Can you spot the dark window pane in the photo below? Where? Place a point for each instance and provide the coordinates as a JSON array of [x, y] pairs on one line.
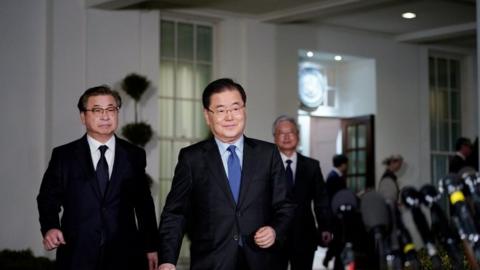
[[167, 39], [444, 142], [352, 142], [455, 105], [204, 43], [185, 41], [442, 73], [455, 74], [431, 71]]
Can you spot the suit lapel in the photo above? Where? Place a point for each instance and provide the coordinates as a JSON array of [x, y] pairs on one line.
[[248, 168], [301, 169], [86, 164], [215, 165]]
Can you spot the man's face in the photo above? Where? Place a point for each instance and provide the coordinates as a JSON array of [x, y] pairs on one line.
[[226, 116], [102, 122], [286, 136], [466, 150]]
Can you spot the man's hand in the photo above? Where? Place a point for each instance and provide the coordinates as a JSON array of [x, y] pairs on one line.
[[265, 237], [152, 260], [53, 239], [166, 266]]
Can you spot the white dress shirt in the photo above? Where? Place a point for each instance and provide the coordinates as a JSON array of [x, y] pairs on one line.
[[293, 165], [95, 152]]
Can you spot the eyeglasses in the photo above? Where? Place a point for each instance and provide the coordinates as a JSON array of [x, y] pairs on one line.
[[100, 111], [221, 112], [285, 134]]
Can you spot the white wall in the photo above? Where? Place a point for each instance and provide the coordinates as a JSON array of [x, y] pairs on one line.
[[22, 106]]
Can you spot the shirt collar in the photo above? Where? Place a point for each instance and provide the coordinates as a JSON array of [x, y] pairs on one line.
[[461, 155], [94, 144], [223, 146], [293, 158]]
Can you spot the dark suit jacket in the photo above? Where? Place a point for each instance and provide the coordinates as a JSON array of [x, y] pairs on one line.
[[335, 183], [456, 164], [89, 218], [201, 200], [309, 187]]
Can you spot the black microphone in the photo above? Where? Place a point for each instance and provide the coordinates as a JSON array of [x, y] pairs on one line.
[[470, 181], [375, 217], [344, 204], [462, 219], [411, 199], [441, 227]]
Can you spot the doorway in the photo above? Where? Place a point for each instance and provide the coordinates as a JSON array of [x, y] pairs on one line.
[[354, 137]]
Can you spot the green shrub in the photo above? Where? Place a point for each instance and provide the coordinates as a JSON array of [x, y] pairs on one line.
[[23, 260]]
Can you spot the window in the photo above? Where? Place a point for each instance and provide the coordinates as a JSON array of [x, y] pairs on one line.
[[185, 69], [445, 110]]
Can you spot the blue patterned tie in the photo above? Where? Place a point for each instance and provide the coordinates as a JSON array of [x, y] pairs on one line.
[[102, 169], [289, 174], [234, 172]]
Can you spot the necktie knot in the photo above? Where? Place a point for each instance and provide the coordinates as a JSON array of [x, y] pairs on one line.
[[103, 149], [289, 162], [231, 149]]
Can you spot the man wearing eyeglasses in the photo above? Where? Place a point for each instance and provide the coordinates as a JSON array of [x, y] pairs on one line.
[[306, 183], [229, 192], [99, 183]]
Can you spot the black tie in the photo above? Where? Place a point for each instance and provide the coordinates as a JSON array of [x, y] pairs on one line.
[[289, 174], [102, 169]]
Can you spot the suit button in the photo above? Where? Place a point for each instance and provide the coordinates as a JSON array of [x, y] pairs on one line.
[[239, 214], [235, 237]]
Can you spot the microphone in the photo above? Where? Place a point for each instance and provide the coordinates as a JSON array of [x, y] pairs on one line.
[[471, 191], [343, 204], [411, 199], [462, 219], [441, 228], [375, 217]]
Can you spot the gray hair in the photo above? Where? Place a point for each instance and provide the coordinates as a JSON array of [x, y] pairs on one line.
[[282, 118]]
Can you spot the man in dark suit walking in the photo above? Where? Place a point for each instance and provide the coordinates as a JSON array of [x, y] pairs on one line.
[[229, 191], [305, 180], [463, 148], [99, 181], [336, 179]]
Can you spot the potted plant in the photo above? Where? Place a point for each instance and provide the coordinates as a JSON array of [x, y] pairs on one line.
[[138, 132]]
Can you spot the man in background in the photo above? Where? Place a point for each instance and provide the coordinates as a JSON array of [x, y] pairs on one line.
[[337, 178], [305, 181], [99, 181], [463, 148]]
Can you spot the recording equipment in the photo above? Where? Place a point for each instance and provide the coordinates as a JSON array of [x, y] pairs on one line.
[[343, 204], [375, 216], [441, 228], [471, 185], [411, 199], [462, 219]]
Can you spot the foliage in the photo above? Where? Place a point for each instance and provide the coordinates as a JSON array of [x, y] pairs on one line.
[[135, 85], [426, 263], [138, 133], [23, 260]]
